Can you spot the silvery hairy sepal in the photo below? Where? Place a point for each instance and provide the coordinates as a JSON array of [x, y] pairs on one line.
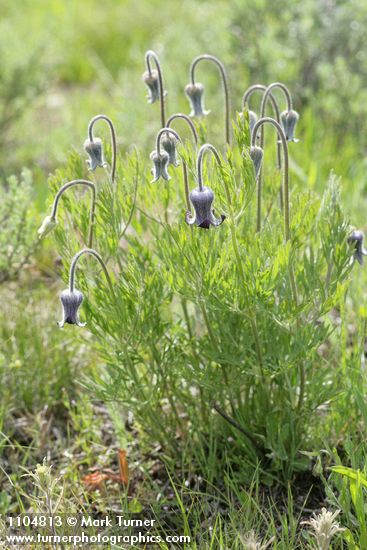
[[256, 154], [160, 165], [71, 301], [356, 239], [202, 200], [195, 94], [168, 143], [94, 148], [289, 120], [151, 80], [47, 226]]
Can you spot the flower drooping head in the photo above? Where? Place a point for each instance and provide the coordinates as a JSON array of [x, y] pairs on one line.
[[71, 301], [151, 80], [160, 165], [202, 200], [195, 94], [356, 239], [256, 154], [168, 143], [94, 148], [47, 226], [289, 120]]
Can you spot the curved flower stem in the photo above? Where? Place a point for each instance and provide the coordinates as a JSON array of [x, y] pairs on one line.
[[286, 210], [199, 161], [75, 260], [224, 78], [246, 98], [184, 166], [148, 55], [266, 97], [113, 139], [267, 94], [74, 183], [189, 122], [261, 122]]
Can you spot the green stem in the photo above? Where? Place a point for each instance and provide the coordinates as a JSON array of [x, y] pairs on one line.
[[224, 78], [150, 54], [74, 263], [74, 183], [113, 140]]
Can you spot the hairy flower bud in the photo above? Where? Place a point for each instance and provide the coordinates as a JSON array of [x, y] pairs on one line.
[[256, 154], [289, 120], [71, 301], [160, 165], [94, 148], [168, 143], [356, 239], [202, 200], [195, 94], [47, 226], [151, 80]]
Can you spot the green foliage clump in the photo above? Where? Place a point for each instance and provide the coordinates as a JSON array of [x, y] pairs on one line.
[[18, 240], [212, 338]]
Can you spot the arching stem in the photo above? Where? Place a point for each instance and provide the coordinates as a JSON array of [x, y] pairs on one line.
[[189, 122], [74, 263], [113, 140], [152, 55], [199, 161], [184, 166], [286, 210], [224, 78], [245, 100], [74, 183]]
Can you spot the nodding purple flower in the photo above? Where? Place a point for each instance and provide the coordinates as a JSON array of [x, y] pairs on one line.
[[168, 143], [202, 200], [195, 94], [256, 154], [94, 148], [151, 80], [288, 121], [71, 301], [160, 165], [356, 240]]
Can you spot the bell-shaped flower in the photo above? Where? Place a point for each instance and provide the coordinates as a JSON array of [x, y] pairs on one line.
[[160, 165], [288, 121], [256, 154], [71, 301], [94, 148], [47, 226], [195, 94], [202, 200], [356, 239], [168, 143], [151, 80]]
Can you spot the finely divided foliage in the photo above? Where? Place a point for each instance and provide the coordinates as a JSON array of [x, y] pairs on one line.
[[210, 338]]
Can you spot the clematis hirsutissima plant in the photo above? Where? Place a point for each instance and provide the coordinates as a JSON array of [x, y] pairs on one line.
[[210, 338], [195, 92], [71, 298], [202, 197], [94, 146]]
